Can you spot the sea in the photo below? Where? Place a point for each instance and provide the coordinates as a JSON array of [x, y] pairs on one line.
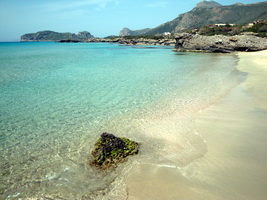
[[57, 98]]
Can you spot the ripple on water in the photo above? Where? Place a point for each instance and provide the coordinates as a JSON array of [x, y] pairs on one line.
[[58, 99]]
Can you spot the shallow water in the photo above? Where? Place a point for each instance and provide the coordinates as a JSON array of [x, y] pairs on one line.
[[56, 99]]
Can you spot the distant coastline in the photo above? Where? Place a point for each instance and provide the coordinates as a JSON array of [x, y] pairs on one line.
[[186, 42], [218, 38], [55, 36]]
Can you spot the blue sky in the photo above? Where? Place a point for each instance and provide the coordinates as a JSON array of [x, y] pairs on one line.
[[100, 17]]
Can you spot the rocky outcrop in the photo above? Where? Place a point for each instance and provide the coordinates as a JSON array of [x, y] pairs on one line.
[[111, 150], [207, 4], [136, 41], [68, 41], [127, 31], [55, 36], [210, 12], [219, 43]]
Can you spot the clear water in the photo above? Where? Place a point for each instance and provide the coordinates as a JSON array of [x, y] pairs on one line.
[[56, 99]]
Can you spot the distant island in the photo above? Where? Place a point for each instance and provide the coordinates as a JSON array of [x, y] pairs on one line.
[[55, 36]]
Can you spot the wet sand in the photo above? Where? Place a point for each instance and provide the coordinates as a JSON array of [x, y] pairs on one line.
[[235, 131]]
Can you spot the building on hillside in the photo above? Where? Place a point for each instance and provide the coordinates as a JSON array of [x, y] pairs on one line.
[[167, 33], [224, 24]]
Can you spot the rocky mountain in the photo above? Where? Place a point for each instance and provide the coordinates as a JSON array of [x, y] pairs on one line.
[[208, 12], [207, 4], [55, 36]]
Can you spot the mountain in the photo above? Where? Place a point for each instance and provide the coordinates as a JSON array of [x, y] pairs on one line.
[[207, 4], [55, 36], [209, 12]]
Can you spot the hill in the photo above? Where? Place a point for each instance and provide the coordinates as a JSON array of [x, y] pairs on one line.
[[55, 36], [208, 12]]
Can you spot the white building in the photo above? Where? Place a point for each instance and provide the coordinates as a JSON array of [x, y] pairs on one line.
[[166, 33]]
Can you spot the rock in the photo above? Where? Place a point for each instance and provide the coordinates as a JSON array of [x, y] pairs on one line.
[[111, 150], [68, 41], [135, 41], [219, 43], [207, 4]]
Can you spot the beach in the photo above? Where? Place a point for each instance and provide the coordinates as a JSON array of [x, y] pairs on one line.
[[256, 75], [201, 130], [234, 129]]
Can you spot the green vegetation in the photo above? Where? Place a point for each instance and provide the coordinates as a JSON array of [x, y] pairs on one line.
[[259, 29], [55, 36], [136, 37], [220, 30], [153, 37], [112, 37], [110, 150]]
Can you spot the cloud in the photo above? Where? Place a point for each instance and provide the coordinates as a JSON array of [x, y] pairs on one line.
[[72, 5], [158, 4]]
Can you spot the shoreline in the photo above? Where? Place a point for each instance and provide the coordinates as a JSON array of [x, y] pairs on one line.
[[234, 165], [235, 133], [256, 75]]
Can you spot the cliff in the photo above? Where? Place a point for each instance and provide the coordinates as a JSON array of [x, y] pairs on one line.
[[55, 36], [209, 12]]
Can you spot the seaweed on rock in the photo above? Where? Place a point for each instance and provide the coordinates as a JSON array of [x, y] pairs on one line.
[[111, 150]]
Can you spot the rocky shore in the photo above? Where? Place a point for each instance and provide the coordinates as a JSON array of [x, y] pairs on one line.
[[136, 41], [219, 43], [194, 42]]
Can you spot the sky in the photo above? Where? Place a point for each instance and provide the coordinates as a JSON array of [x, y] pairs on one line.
[[100, 17]]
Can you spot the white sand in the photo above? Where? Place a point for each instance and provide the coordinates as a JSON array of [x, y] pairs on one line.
[[234, 166], [256, 65]]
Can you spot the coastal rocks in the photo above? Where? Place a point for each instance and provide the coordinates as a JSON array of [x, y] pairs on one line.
[[144, 41], [111, 150], [219, 43], [68, 41], [135, 41]]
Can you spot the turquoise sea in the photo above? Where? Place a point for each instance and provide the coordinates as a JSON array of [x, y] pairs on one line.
[[56, 99]]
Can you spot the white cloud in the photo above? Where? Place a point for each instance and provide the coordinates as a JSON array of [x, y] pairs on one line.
[[72, 5], [158, 4]]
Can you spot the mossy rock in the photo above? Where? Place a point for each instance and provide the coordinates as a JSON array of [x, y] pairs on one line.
[[111, 150]]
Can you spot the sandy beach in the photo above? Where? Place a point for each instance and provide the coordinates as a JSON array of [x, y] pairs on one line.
[[234, 166], [255, 64]]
